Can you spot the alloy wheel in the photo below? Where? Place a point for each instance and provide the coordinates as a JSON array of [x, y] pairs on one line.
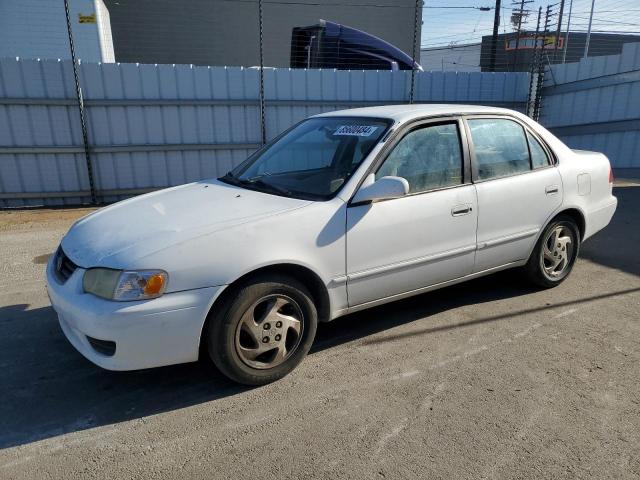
[[269, 331], [557, 252]]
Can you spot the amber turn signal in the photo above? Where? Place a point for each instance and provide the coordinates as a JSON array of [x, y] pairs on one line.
[[154, 284]]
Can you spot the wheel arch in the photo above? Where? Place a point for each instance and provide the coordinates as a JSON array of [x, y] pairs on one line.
[[303, 274], [574, 213], [577, 215]]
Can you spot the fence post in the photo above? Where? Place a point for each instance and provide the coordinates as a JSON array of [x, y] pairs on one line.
[[263, 127], [540, 79], [83, 125], [534, 62], [415, 40]]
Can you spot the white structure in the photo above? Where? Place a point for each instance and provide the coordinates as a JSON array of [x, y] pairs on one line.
[[38, 29], [454, 58]]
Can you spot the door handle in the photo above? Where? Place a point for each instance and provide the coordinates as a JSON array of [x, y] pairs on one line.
[[551, 189], [460, 210]]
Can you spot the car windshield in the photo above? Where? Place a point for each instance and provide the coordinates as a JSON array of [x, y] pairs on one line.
[[312, 160]]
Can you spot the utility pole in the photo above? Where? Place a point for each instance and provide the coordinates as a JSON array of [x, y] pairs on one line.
[[558, 30], [521, 13], [494, 38], [566, 35], [586, 45]]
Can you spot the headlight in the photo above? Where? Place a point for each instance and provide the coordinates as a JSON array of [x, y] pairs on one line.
[[125, 285]]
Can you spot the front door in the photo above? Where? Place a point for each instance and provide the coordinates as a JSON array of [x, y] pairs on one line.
[[424, 238]]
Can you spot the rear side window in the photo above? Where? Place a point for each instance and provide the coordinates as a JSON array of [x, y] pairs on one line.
[[539, 157], [428, 158], [500, 147]]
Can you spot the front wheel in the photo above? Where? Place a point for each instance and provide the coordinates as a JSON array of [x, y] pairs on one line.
[[262, 330], [555, 253]]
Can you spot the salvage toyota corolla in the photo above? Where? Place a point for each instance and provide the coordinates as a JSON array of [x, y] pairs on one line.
[[344, 211]]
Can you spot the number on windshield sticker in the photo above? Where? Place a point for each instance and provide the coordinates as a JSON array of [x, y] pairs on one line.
[[355, 130]]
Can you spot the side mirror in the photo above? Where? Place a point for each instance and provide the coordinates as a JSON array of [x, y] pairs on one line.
[[382, 189]]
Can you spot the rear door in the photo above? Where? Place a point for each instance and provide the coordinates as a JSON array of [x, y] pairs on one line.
[[518, 188]]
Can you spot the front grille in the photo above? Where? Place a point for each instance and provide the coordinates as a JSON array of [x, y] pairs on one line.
[[63, 266], [104, 347]]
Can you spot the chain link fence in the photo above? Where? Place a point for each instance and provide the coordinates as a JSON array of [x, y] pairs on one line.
[[103, 99]]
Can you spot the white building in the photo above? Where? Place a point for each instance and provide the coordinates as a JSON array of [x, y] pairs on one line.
[[38, 29], [454, 58]]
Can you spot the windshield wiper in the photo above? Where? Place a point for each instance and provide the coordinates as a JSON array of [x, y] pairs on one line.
[[259, 182]]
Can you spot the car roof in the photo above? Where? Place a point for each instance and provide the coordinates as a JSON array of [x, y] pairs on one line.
[[404, 112]]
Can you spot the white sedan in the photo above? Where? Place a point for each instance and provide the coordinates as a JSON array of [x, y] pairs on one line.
[[344, 211]]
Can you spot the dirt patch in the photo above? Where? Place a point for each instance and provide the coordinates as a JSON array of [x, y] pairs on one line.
[[39, 219]]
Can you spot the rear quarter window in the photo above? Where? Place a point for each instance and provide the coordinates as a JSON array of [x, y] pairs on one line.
[[539, 157]]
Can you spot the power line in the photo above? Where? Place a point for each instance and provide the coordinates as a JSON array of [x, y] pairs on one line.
[[483, 9]]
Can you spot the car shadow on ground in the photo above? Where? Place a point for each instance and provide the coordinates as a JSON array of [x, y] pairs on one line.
[[617, 246], [49, 389]]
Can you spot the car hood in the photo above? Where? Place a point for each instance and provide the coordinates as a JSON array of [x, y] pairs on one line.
[[121, 234]]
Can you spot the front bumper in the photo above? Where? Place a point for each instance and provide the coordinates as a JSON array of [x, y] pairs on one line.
[[148, 333]]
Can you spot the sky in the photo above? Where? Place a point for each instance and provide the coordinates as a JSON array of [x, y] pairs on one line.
[[445, 23]]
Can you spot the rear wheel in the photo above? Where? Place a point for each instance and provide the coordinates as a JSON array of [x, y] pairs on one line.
[[555, 253], [263, 329]]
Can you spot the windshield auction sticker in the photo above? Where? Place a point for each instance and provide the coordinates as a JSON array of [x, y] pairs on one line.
[[356, 130]]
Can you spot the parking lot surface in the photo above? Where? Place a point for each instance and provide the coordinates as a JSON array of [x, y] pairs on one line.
[[488, 379]]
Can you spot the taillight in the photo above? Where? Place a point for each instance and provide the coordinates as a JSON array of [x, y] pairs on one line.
[[610, 175]]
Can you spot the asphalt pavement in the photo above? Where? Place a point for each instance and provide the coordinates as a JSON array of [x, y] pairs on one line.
[[488, 379]]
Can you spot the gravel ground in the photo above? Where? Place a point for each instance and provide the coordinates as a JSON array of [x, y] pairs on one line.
[[489, 379]]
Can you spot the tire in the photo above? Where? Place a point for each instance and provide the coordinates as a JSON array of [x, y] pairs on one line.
[[238, 340], [539, 268]]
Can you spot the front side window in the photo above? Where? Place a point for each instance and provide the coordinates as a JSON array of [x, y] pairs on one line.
[[313, 160], [500, 147], [428, 158]]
